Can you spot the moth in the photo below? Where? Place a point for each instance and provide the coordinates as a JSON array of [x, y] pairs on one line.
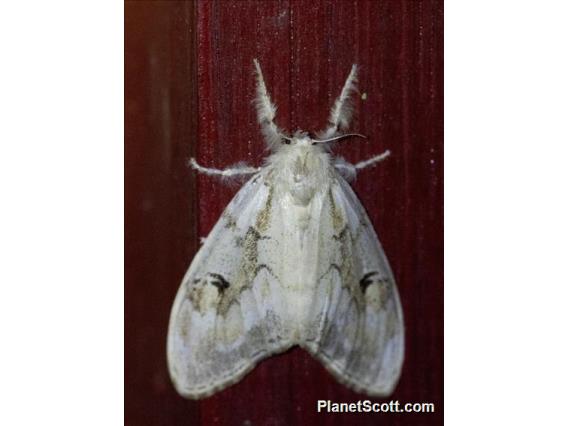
[[293, 260]]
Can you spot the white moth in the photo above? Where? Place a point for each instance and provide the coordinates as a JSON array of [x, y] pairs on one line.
[[293, 260]]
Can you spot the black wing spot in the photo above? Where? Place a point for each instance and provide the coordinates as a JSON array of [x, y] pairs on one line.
[[219, 281], [367, 280]]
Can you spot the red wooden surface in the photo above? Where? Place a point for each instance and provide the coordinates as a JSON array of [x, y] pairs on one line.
[[306, 49], [159, 202]]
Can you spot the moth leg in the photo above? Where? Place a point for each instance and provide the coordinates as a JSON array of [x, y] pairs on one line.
[[346, 169], [371, 161], [228, 172], [349, 171]]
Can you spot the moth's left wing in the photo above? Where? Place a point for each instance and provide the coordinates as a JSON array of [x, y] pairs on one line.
[[229, 311], [356, 326]]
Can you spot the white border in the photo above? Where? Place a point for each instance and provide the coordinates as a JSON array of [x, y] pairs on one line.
[[61, 224], [61, 230], [506, 240]]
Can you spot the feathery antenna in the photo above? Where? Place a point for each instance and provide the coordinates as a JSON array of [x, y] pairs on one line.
[[266, 111], [342, 111]]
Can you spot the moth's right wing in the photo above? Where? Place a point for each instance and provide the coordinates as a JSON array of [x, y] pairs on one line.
[[228, 312], [356, 328]]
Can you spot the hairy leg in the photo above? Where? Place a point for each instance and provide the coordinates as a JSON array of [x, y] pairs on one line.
[[237, 170], [350, 170]]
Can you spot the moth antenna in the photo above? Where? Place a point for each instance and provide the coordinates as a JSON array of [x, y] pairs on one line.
[[266, 112], [342, 111], [339, 137]]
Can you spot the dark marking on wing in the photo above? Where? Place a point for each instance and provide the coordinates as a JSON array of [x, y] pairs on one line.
[[219, 281], [336, 267], [337, 218], [230, 221], [383, 283], [263, 217], [332, 266], [261, 267], [342, 235], [367, 280], [253, 232]]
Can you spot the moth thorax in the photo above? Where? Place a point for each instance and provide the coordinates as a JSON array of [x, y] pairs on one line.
[[303, 182]]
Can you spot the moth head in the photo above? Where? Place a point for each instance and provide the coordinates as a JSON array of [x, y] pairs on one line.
[[298, 139], [338, 121]]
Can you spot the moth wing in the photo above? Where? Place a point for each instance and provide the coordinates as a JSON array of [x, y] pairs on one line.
[[357, 314], [227, 314]]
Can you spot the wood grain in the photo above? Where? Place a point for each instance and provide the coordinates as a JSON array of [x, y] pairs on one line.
[[160, 235]]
